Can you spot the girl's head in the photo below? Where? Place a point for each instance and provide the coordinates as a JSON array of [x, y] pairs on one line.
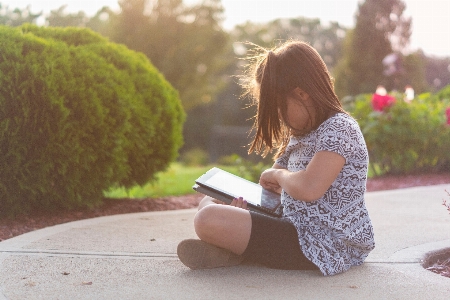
[[293, 92]]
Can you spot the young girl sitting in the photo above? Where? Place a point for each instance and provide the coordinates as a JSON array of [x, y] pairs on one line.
[[320, 170]]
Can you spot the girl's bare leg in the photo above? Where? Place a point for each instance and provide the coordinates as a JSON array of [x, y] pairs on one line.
[[225, 226], [207, 201]]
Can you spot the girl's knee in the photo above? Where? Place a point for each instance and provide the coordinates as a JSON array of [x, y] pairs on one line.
[[206, 220]]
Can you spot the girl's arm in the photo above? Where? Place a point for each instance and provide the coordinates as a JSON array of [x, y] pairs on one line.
[[309, 184], [274, 186]]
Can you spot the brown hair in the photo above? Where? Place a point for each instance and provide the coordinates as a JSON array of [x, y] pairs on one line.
[[272, 76]]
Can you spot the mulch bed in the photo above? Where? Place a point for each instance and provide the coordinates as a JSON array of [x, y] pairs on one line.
[[25, 223]]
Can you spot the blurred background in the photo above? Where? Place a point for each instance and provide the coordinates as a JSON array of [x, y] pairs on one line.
[[199, 46]]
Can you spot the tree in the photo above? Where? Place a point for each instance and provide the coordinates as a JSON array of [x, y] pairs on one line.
[[326, 39], [184, 43], [101, 22], [227, 121], [17, 17], [131, 25], [380, 30], [415, 72], [438, 72], [58, 18]]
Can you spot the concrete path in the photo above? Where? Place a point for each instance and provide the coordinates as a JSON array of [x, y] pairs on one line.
[[133, 256]]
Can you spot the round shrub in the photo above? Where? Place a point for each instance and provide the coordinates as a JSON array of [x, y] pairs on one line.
[[406, 137], [78, 115]]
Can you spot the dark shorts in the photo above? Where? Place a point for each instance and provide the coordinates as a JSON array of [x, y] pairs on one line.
[[274, 243]]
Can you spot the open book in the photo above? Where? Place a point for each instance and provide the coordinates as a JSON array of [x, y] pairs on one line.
[[225, 186]]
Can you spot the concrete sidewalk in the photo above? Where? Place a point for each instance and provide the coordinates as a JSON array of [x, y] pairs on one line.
[[133, 256]]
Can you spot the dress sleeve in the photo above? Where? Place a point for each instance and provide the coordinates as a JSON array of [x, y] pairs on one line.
[[339, 136], [283, 160]]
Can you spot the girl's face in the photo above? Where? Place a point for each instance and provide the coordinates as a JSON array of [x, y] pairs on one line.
[[299, 112]]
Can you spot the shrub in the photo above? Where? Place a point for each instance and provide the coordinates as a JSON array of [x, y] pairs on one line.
[[79, 114], [247, 169], [406, 137], [195, 157]]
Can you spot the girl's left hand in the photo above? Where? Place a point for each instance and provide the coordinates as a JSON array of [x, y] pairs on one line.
[[239, 202], [268, 180]]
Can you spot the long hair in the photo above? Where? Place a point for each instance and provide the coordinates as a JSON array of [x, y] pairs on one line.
[[272, 76]]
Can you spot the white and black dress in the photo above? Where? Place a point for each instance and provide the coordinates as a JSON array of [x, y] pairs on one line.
[[334, 232]]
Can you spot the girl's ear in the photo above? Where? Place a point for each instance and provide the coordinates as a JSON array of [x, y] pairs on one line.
[[300, 94]]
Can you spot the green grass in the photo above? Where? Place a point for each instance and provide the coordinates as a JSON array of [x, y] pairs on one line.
[[375, 170], [176, 180]]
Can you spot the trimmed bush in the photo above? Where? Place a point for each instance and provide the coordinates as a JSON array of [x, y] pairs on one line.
[[78, 115], [406, 137]]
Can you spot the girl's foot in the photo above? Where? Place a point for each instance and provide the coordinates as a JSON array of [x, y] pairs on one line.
[[197, 254]]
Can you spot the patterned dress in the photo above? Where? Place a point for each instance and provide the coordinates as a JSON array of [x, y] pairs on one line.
[[334, 232]]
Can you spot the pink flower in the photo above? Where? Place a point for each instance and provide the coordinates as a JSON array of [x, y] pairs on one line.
[[380, 102]]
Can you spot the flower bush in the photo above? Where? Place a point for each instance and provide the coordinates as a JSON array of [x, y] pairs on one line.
[[406, 137]]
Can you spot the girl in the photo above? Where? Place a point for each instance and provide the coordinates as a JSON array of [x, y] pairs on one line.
[[320, 170]]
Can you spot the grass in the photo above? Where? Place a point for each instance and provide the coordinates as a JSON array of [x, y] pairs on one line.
[[374, 170], [176, 180]]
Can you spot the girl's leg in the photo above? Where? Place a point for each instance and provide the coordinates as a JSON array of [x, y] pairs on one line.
[[229, 234], [207, 201], [224, 226], [224, 233]]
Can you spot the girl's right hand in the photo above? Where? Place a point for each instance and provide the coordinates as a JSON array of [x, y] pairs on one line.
[[239, 202]]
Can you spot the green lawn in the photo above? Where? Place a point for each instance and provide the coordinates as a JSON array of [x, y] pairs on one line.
[[177, 180]]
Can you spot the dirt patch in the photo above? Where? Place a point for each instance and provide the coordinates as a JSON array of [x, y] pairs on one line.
[[26, 223], [438, 262]]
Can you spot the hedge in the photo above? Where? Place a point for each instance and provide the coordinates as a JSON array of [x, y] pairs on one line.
[[78, 115], [406, 137]]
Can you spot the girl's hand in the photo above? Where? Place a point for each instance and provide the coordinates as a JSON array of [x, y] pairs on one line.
[[268, 180], [309, 184], [239, 202]]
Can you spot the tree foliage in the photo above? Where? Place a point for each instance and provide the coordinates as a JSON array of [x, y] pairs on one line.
[[188, 45], [59, 18], [326, 39], [437, 72], [184, 43], [16, 16], [415, 72], [227, 120], [380, 29], [79, 114]]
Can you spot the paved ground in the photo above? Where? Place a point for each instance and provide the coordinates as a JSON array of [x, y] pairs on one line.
[[133, 256]]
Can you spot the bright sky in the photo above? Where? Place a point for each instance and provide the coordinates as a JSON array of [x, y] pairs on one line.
[[431, 18]]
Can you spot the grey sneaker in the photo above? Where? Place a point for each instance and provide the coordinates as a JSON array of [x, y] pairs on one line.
[[197, 254]]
